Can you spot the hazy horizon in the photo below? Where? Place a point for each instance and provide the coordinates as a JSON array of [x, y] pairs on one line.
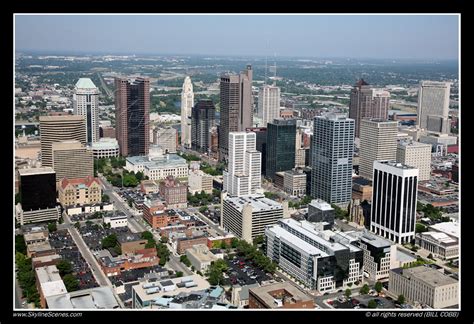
[[384, 37]]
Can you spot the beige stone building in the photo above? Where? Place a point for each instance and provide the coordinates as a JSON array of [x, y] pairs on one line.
[[79, 191], [417, 155], [198, 181], [71, 159]]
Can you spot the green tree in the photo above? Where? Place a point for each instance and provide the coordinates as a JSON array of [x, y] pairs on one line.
[[364, 290], [420, 228], [52, 227], [372, 304], [223, 245], [105, 198], [184, 259], [378, 287], [64, 267], [109, 241], [71, 283], [203, 209], [20, 245], [401, 299], [77, 225], [234, 242], [179, 274], [139, 176], [430, 256], [164, 239], [348, 293], [259, 239]]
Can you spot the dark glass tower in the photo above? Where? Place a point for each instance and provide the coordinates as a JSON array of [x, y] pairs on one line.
[[281, 140], [202, 120], [37, 188]]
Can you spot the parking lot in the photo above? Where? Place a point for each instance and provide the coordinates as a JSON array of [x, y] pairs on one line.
[[243, 272], [85, 217], [360, 302], [93, 235], [62, 241]]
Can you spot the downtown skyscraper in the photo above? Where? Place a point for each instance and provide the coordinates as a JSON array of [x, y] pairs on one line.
[[281, 141], [236, 107], [187, 104], [132, 115], [333, 149], [243, 175], [86, 103], [366, 103], [203, 119], [268, 104], [433, 106]]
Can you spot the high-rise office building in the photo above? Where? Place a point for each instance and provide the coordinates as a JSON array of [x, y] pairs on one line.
[[203, 119], [433, 106], [261, 143], [243, 175], [268, 104], [367, 102], [394, 198], [236, 107], [300, 150], [166, 138], [132, 115], [281, 141], [37, 188], [71, 160], [86, 103], [187, 104], [417, 155], [59, 128], [333, 149], [378, 141], [38, 196]]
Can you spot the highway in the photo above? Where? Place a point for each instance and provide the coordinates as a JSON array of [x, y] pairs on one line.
[[105, 87]]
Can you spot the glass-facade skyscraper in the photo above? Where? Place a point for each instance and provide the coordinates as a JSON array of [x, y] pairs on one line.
[[281, 141]]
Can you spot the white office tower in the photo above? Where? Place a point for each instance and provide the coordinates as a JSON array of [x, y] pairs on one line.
[[378, 141], [86, 103], [433, 106], [394, 197], [417, 155], [245, 165], [187, 103], [268, 104], [332, 152]]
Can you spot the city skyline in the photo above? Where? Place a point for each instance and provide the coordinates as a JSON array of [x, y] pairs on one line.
[[397, 36]]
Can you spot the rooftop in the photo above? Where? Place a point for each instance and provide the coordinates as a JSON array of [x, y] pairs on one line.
[[449, 228], [36, 171], [321, 204], [258, 202], [295, 241], [270, 294], [81, 183], [105, 143], [128, 237], [441, 237], [430, 276], [371, 239], [395, 164], [202, 253], [95, 298], [85, 83], [50, 281], [167, 160]]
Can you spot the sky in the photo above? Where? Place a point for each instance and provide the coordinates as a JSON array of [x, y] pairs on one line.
[[355, 36]]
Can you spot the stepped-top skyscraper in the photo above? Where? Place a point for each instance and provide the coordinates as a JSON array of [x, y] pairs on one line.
[[367, 102], [268, 104], [187, 104], [244, 172], [333, 149], [86, 103], [203, 119], [433, 106], [132, 115], [236, 107]]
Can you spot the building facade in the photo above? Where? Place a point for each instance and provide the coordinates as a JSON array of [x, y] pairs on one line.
[[279, 296], [320, 211], [294, 183], [86, 103], [187, 104], [417, 155], [236, 107], [199, 181], [174, 192], [439, 244], [243, 174], [319, 263], [203, 119], [378, 141], [104, 148], [132, 115], [433, 106], [246, 216], [268, 104], [56, 129], [332, 152], [424, 285], [280, 155], [166, 138], [72, 160], [367, 102], [79, 191], [394, 198]]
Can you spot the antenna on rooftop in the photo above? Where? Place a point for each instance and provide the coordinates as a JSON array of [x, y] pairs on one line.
[[274, 69]]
